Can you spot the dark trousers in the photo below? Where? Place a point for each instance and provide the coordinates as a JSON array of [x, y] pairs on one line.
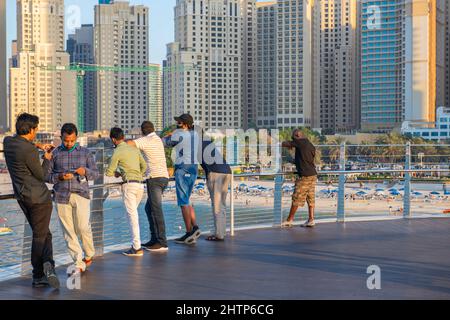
[[153, 208], [38, 216]]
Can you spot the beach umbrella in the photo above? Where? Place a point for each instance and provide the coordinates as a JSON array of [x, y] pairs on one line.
[[393, 190], [379, 190], [395, 193], [435, 193], [361, 193], [416, 193]]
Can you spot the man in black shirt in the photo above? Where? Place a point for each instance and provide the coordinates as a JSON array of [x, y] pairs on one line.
[[305, 186], [218, 178]]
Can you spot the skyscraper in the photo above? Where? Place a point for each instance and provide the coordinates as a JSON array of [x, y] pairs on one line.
[[266, 65], [38, 85], [121, 36], [80, 46], [403, 62], [203, 74], [382, 64], [249, 62], [297, 61], [447, 66], [155, 92], [339, 66], [425, 59], [3, 84]]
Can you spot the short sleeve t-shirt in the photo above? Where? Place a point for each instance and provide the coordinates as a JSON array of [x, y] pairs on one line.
[[154, 154], [305, 153]]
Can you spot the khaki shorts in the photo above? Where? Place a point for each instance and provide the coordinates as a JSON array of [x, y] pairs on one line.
[[305, 191]]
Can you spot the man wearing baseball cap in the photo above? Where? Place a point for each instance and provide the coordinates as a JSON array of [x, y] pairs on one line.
[[187, 147]]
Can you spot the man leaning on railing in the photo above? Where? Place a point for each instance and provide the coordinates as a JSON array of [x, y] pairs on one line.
[[157, 180], [33, 196], [305, 186], [70, 168], [127, 162]]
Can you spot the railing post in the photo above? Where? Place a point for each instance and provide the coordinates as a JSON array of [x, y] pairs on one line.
[[407, 196], [278, 198], [341, 191], [26, 249], [97, 214], [232, 204]]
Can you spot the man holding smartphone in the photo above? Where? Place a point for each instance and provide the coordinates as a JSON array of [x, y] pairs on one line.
[[70, 168]]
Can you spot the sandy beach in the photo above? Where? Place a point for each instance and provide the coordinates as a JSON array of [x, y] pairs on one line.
[[247, 196]]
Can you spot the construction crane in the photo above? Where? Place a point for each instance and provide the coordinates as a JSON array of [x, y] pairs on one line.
[[81, 68]]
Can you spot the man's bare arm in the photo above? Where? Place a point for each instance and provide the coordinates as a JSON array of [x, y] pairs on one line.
[[287, 144]]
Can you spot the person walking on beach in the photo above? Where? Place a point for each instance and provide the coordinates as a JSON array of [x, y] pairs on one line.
[[187, 145], [218, 178], [305, 185], [70, 168], [158, 178], [33, 196], [127, 162]]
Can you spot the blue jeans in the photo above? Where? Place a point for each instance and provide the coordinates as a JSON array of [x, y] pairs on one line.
[[153, 209], [185, 177]]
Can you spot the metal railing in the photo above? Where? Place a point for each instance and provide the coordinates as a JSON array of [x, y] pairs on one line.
[[257, 200]]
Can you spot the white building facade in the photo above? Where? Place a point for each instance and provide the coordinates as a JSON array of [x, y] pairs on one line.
[[203, 70], [36, 84], [121, 39], [439, 130]]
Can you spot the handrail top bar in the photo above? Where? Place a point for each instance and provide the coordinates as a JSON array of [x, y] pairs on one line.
[[248, 175]]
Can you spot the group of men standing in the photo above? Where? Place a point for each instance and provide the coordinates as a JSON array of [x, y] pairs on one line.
[[70, 167]]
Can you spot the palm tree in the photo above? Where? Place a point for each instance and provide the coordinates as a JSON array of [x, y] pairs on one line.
[[392, 151], [334, 152]]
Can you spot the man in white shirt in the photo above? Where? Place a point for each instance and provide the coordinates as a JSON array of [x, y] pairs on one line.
[[158, 178]]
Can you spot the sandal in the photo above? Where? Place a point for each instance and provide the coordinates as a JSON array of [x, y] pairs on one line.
[[213, 238]]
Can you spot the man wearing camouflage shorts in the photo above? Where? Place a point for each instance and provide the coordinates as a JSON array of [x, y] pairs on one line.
[[305, 186]]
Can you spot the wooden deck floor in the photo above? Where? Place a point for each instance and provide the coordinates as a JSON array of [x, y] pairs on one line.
[[328, 262]]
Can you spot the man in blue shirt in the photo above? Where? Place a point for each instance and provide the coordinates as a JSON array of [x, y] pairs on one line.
[[71, 167], [187, 147]]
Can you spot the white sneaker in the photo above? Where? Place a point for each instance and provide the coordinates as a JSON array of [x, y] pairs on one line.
[[309, 224], [287, 224]]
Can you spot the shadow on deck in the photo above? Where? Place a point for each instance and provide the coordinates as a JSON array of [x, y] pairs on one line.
[[328, 262]]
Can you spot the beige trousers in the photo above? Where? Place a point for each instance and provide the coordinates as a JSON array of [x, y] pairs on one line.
[[75, 221], [218, 184]]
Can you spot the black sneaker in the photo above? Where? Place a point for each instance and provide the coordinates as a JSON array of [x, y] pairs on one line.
[[149, 244], [193, 235], [157, 248], [50, 273], [40, 282], [186, 239], [134, 253], [196, 233]]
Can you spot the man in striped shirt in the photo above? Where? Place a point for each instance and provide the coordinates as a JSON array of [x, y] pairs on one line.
[[157, 180]]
